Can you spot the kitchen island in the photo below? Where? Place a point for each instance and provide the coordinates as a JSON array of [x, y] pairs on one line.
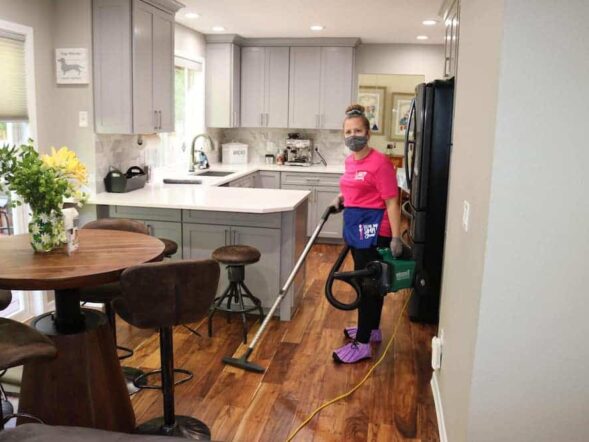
[[226, 210]]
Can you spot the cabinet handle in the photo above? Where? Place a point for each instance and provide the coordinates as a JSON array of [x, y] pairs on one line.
[[261, 119], [226, 232], [159, 121], [149, 229], [235, 237], [155, 120], [267, 118]]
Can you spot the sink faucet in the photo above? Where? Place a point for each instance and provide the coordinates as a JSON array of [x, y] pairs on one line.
[[203, 160]]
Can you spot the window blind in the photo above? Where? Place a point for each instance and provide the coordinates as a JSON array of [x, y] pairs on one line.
[[13, 92]]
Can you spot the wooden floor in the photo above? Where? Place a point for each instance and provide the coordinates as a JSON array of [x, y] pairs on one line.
[[394, 404]]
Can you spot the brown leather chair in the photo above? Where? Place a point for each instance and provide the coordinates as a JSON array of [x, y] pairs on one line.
[[162, 295], [235, 258], [19, 344]]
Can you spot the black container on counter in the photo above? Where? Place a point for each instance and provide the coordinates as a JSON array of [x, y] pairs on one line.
[[118, 182]]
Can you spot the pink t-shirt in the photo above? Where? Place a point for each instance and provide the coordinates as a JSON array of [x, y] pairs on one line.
[[368, 183]]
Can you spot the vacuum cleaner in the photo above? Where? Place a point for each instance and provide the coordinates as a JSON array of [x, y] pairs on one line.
[[390, 273]]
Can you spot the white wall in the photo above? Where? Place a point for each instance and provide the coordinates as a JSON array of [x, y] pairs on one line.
[[427, 60], [188, 42], [514, 299]]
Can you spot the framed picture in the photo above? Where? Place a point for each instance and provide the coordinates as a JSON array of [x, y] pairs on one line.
[[71, 66], [400, 115], [372, 98]]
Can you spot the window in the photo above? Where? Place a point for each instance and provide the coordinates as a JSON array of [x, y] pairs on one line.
[[189, 112]]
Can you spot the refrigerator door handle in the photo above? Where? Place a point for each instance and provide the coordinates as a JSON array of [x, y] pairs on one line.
[[406, 209], [408, 176]]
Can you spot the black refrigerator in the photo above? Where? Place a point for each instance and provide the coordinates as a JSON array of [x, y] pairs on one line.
[[428, 144]]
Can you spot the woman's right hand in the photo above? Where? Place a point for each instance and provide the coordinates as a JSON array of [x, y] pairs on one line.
[[337, 204]]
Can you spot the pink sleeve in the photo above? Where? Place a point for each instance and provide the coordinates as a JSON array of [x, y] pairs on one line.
[[386, 180]]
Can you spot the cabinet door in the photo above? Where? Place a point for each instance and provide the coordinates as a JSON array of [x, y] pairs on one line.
[[276, 95], [199, 241], [144, 117], [218, 85], [311, 208], [167, 230], [337, 65], [304, 91], [268, 180], [253, 81], [235, 87], [323, 198], [113, 91], [263, 277], [163, 70]]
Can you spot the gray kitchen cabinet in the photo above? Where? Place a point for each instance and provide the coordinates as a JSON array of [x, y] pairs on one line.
[[173, 231], [262, 278], [324, 187], [321, 83], [267, 180], [223, 80], [246, 181], [264, 86], [133, 49]]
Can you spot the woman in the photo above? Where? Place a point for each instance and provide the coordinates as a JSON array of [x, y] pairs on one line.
[[371, 220]]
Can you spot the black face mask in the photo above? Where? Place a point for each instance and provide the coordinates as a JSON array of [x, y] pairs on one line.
[[356, 142]]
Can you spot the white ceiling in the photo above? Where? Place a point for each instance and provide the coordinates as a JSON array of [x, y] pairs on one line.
[[374, 21]]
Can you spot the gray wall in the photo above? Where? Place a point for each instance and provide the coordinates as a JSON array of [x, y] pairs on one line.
[[518, 371], [409, 59]]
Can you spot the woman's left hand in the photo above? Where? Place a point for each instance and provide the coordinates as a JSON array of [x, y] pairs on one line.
[[396, 247]]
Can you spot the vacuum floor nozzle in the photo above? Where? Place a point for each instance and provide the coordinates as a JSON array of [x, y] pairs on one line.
[[243, 363]]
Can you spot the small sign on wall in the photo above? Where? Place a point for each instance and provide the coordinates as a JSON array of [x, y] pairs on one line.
[[71, 65]]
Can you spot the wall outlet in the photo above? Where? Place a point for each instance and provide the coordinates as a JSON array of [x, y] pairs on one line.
[[83, 119], [466, 216]]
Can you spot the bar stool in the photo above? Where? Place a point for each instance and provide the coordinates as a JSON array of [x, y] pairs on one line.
[[5, 300], [5, 217], [235, 258], [162, 295], [19, 344]]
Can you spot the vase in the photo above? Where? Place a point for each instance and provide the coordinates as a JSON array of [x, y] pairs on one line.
[[47, 231]]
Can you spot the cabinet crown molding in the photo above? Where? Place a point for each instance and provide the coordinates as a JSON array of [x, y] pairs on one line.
[[292, 42], [172, 6]]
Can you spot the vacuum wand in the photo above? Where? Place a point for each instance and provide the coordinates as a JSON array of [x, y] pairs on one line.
[[243, 362]]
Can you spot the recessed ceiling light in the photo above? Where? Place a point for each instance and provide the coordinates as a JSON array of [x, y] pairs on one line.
[[429, 22], [317, 28], [422, 37], [191, 15], [218, 28]]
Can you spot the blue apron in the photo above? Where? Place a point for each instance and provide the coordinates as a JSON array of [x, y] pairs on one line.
[[361, 226]]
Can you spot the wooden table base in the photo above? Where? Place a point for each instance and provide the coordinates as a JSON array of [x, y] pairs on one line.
[[84, 385]]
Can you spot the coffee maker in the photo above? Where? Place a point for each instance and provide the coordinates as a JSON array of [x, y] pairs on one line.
[[299, 151]]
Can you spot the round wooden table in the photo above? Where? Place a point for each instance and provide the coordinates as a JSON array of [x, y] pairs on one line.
[[70, 390]]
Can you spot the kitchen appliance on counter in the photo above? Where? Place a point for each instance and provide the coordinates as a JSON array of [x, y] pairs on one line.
[[428, 143], [299, 151], [118, 182], [234, 153]]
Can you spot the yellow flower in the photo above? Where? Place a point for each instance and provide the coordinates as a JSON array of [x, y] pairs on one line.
[[66, 163]]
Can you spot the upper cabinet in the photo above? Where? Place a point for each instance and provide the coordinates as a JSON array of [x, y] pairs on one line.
[[222, 85], [321, 82], [451, 23], [133, 42], [264, 86]]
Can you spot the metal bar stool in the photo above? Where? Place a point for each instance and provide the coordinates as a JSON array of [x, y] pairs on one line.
[[235, 259], [105, 294], [162, 295], [19, 344]]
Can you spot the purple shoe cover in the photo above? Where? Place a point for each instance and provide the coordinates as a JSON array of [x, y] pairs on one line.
[[353, 352], [375, 335]]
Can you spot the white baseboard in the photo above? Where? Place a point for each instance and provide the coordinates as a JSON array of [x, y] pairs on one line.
[[439, 409]]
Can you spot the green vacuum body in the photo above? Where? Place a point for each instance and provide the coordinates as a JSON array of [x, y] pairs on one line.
[[401, 271]]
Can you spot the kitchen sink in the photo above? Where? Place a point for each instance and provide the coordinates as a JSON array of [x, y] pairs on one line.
[[214, 173], [181, 181]]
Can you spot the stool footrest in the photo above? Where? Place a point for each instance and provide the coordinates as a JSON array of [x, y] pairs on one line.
[[138, 380]]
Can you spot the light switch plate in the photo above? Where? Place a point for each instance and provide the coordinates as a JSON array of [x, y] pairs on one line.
[[466, 216], [83, 119]]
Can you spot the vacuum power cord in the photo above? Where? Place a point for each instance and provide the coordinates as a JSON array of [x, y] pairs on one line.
[[349, 393]]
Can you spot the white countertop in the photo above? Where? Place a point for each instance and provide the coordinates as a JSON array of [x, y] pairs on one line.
[[209, 196]]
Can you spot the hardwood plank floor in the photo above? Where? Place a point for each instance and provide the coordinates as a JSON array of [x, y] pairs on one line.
[[395, 403]]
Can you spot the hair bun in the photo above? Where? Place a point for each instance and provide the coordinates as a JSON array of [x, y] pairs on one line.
[[355, 109]]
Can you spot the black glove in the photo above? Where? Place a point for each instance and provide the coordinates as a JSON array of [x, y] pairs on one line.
[[337, 204], [396, 247]]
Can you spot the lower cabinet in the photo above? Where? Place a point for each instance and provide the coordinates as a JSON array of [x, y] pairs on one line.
[[168, 230], [319, 200], [268, 180], [263, 277]]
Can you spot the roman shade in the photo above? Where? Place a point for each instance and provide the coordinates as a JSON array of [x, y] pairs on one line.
[[13, 92]]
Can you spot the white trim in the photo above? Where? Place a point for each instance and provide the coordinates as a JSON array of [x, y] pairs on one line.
[[439, 408]]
